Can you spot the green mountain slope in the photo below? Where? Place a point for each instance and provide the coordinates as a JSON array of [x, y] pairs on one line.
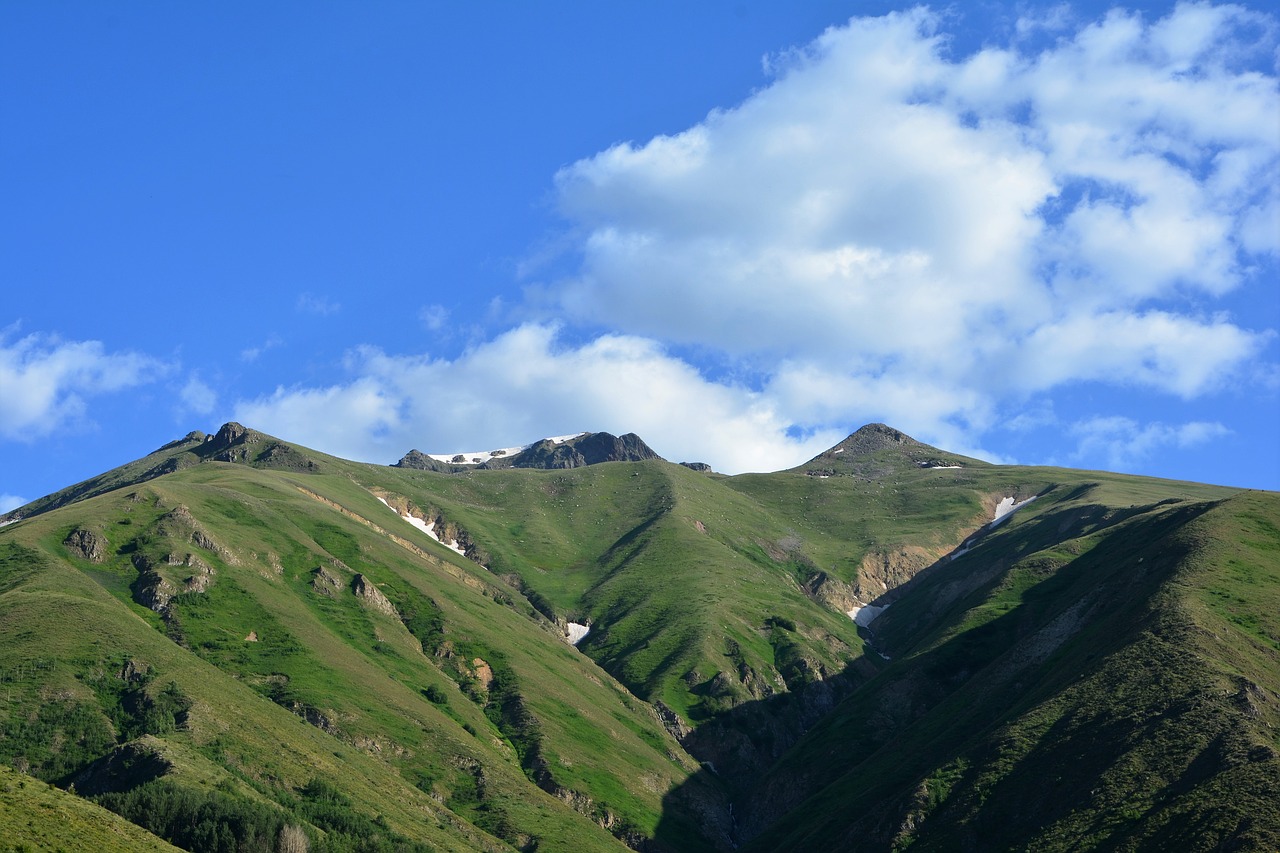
[[37, 816], [442, 697], [1091, 676], [240, 642]]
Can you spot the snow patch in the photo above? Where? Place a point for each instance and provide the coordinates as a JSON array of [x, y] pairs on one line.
[[10, 521], [1006, 507], [837, 450], [475, 457], [576, 632], [864, 616], [427, 527]]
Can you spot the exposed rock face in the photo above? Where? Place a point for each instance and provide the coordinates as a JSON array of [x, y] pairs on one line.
[[86, 545], [313, 715], [200, 581], [195, 437], [232, 443], [419, 461], [180, 524], [483, 673], [882, 571], [701, 467], [589, 449], [152, 590], [325, 582], [833, 592], [370, 596], [671, 721], [237, 443]]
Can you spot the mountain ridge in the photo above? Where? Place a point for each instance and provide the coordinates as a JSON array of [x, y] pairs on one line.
[[636, 654], [586, 448]]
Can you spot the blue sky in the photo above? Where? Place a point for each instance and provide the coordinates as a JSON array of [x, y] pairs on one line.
[[1045, 234]]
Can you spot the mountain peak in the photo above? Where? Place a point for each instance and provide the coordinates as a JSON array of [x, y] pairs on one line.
[[570, 451], [877, 450], [873, 437]]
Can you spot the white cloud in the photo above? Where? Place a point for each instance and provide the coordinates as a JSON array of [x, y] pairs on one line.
[[251, 354], [433, 317], [1179, 355], [1122, 442], [45, 382], [886, 232], [525, 385], [309, 303], [198, 397], [894, 219], [8, 502]]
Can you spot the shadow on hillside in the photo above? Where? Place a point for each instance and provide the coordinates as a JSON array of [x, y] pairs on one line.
[[897, 722]]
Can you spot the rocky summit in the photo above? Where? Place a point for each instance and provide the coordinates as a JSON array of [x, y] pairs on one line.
[[589, 448]]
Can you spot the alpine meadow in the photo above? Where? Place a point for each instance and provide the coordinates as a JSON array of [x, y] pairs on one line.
[[238, 643]]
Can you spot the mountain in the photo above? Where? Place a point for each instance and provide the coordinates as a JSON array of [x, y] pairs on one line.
[[578, 645], [587, 448]]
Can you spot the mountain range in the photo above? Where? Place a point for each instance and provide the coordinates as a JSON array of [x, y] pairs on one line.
[[237, 643]]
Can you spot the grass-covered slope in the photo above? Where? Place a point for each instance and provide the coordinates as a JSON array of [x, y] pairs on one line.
[[1101, 673], [36, 816], [238, 643], [679, 576], [294, 649]]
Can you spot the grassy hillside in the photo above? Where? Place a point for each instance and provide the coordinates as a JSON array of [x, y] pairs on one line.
[[1094, 675], [269, 654], [450, 703], [36, 816]]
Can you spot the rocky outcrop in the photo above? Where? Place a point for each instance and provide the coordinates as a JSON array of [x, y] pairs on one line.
[[152, 590], [671, 721], [232, 443], [313, 715], [590, 449], [700, 467], [371, 597], [181, 525], [419, 461], [587, 449], [237, 443], [833, 592], [201, 577], [325, 582], [86, 545]]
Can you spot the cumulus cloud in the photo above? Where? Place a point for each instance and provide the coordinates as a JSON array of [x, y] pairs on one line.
[[8, 502], [45, 382], [885, 231], [1123, 442], [527, 384], [197, 396], [973, 228]]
